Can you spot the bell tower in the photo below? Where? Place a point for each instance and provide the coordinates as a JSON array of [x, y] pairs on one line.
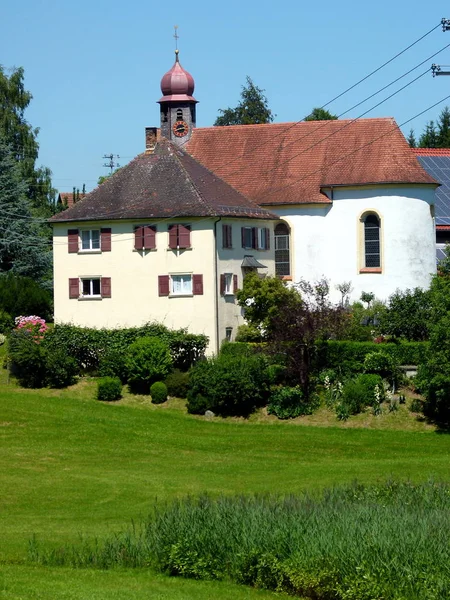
[[177, 104]]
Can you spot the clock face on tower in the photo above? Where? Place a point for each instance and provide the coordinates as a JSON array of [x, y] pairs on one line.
[[180, 128]]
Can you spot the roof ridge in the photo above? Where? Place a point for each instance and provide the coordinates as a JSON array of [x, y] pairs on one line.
[[292, 123]]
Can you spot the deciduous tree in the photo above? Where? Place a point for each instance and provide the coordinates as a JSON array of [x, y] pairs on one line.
[[320, 114], [252, 109]]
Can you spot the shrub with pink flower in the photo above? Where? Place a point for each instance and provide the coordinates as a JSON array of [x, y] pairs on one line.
[[34, 324]]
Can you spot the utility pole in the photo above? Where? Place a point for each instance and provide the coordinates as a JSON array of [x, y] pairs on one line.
[[111, 164], [437, 69]]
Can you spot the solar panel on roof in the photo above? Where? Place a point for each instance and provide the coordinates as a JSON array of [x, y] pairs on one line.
[[439, 168]]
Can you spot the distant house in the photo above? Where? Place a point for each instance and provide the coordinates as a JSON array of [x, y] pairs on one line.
[[170, 236], [436, 161], [68, 199]]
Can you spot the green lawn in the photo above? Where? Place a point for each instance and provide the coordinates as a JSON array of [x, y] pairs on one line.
[[72, 466]]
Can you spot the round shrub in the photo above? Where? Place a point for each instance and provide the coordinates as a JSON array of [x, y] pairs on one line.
[[62, 369], [232, 385], [158, 392], [198, 404], [371, 383], [147, 360], [289, 402], [177, 384], [380, 363], [109, 388]]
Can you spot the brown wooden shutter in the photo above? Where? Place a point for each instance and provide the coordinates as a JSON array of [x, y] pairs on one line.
[[255, 238], [197, 281], [72, 236], [184, 236], [138, 238], [105, 287], [243, 236], [222, 284], [226, 236], [149, 237], [163, 285], [74, 287], [267, 237], [105, 239], [173, 236], [235, 283]]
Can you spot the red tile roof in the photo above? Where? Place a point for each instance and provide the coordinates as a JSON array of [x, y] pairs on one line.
[[431, 151], [289, 163], [166, 184], [66, 198]]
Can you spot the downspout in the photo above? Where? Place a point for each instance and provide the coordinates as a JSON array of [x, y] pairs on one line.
[[216, 283]]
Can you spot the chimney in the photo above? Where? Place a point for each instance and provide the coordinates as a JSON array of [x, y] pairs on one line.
[[151, 136]]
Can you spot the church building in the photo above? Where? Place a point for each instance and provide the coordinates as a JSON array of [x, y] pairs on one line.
[[170, 236]]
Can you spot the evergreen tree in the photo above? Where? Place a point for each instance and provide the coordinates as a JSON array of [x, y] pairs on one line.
[[444, 128], [411, 139], [429, 138], [252, 109], [23, 248], [22, 139], [320, 114]]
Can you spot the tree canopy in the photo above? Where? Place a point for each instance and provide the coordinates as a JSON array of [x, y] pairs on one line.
[[320, 114], [252, 109], [436, 133]]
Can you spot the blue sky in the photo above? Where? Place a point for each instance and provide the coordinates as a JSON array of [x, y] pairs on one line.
[[94, 66]]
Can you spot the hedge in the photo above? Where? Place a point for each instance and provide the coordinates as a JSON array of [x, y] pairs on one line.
[[87, 345]]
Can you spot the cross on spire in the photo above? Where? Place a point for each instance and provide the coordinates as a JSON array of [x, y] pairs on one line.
[[176, 36]]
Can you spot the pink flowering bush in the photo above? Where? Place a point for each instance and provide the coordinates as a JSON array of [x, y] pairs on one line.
[[34, 324]]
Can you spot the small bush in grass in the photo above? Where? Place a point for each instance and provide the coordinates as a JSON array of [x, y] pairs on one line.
[[147, 360], [28, 359], [158, 392], [62, 369], [109, 389], [416, 406], [289, 402], [177, 384], [373, 387], [198, 404]]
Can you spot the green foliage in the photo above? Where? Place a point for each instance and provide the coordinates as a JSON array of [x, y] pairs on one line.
[[147, 360], [347, 358], [437, 135], [320, 114], [24, 296], [310, 546], [263, 298], [232, 386], [381, 363], [112, 364], [61, 370], [28, 359], [6, 320], [289, 402], [252, 109], [248, 333], [411, 139], [109, 389], [90, 346], [240, 348], [177, 384], [158, 392], [407, 315], [359, 324], [373, 387], [367, 297]]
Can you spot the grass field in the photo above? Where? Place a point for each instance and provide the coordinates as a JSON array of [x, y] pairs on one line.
[[71, 466]]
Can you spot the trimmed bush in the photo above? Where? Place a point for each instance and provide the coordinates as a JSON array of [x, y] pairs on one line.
[[112, 364], [28, 359], [147, 360], [109, 389], [232, 386], [158, 392], [177, 384], [61, 369], [289, 402]]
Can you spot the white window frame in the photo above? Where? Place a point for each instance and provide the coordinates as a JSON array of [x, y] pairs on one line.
[[228, 291], [262, 238], [86, 236], [181, 284], [90, 281]]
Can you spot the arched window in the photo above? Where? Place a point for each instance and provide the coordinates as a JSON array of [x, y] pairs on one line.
[[372, 246], [282, 253]]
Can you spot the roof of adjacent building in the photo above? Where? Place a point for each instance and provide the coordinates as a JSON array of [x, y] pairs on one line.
[[436, 161], [165, 184], [291, 163], [66, 198]]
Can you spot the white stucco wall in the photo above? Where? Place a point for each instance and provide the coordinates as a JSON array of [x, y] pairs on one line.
[[327, 240]]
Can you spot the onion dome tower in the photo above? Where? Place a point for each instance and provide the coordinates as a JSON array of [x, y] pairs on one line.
[[177, 104]]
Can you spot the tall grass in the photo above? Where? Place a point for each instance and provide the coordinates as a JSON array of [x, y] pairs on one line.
[[350, 543]]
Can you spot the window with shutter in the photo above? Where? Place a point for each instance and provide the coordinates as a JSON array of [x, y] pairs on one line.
[[227, 241], [74, 287], [247, 237], [197, 284], [105, 239], [138, 238], [72, 237], [145, 237], [227, 284], [106, 287], [235, 283], [90, 240], [163, 285], [179, 236]]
